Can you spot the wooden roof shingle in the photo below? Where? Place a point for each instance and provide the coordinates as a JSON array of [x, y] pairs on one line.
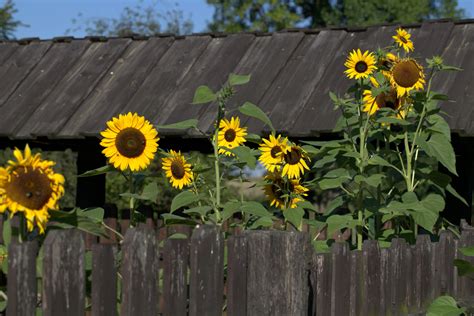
[[68, 88]]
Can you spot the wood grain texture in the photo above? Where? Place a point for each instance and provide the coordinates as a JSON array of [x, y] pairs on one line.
[[139, 272], [21, 285], [104, 280], [63, 273], [237, 276], [206, 283], [175, 276]]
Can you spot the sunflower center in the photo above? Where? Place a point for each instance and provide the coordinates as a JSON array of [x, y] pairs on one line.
[[29, 187], [177, 169], [275, 151], [406, 73], [293, 156], [130, 142], [229, 135], [361, 67], [403, 39], [389, 100]]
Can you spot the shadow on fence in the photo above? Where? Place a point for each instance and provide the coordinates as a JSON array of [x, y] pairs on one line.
[[268, 273]]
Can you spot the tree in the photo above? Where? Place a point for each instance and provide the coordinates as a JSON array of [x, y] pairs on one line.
[[141, 19], [8, 24], [272, 15]]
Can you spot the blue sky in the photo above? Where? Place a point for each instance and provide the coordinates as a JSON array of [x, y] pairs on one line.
[[50, 18]]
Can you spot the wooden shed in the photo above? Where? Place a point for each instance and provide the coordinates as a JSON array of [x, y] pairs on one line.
[[58, 94]]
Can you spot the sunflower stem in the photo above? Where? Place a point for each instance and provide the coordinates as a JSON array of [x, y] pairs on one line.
[[131, 188]]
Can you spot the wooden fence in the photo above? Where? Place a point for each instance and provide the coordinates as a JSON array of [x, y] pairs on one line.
[[267, 273]]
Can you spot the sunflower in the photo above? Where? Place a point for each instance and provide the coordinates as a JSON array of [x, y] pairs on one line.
[[277, 191], [30, 185], [295, 162], [130, 141], [273, 150], [407, 75], [177, 170], [383, 100], [385, 63], [230, 135], [402, 38], [359, 65]]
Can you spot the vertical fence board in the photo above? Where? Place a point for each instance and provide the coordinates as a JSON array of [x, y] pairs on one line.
[[63, 273], [237, 276], [289, 261], [322, 279], [139, 272], [175, 275], [423, 274], [207, 271], [385, 282], [411, 292], [371, 287], [104, 280], [21, 286], [465, 284], [398, 275], [356, 276], [341, 278], [446, 251]]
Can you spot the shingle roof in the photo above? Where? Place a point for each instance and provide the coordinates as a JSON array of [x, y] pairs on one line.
[[68, 88]]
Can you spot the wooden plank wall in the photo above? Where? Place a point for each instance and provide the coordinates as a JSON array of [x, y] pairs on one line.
[[267, 273]]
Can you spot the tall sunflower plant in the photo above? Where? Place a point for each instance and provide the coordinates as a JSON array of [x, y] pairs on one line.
[[390, 171]]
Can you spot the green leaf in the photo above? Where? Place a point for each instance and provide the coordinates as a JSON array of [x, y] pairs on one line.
[[445, 306], [326, 184], [374, 180], [440, 148], [307, 205], [379, 161], [176, 219], [235, 80], [254, 111], [433, 202], [334, 204], [98, 171], [324, 161], [337, 222], [451, 68], [338, 173], [294, 216], [192, 123], [200, 210], [253, 138], [80, 219], [262, 222], [7, 232], [393, 120], [255, 208], [467, 251], [183, 199], [451, 190], [178, 236], [465, 268], [245, 155], [439, 125], [230, 208], [204, 94], [425, 218], [96, 214]]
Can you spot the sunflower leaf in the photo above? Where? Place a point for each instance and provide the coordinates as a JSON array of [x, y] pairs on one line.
[[246, 155], [192, 123], [294, 216], [254, 111], [183, 199], [204, 94], [445, 306], [255, 208], [236, 80], [98, 171], [7, 232]]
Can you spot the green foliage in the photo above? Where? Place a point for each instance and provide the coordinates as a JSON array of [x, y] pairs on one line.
[[254, 111], [142, 19], [8, 24], [445, 306], [272, 15]]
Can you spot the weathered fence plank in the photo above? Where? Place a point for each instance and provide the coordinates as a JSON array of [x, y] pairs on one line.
[[139, 272], [424, 273], [385, 281], [341, 278], [237, 276], [398, 276], [21, 286], [446, 255], [175, 272], [207, 271], [321, 279], [356, 280], [371, 285], [104, 280], [63, 273]]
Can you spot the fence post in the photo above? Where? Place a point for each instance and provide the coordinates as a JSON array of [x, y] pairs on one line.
[[398, 276], [175, 273], [356, 283], [341, 269], [371, 271], [104, 280], [21, 285], [207, 271], [237, 276], [277, 278], [446, 251], [64, 273], [139, 272]]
